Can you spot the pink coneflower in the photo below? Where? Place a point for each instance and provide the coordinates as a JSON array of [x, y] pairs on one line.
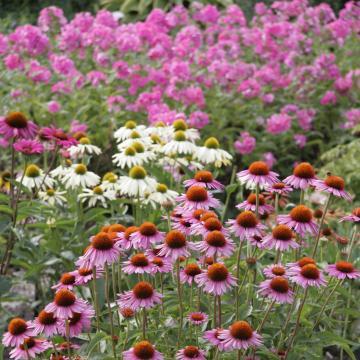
[[205, 227], [197, 318], [277, 289], [142, 295], [308, 275], [16, 125], [46, 323], [124, 238], [189, 274], [146, 236], [250, 205], [303, 176], [127, 313], [279, 188], [67, 281], [197, 197], [246, 226], [212, 336], [342, 270], [205, 179], [161, 265], [193, 217], [300, 220], [215, 243], [274, 270], [296, 266], [31, 347], [138, 264], [281, 238], [18, 331], [78, 322], [240, 335], [216, 280], [28, 147], [65, 304], [142, 350], [190, 352], [258, 173], [84, 275], [175, 245], [257, 241], [354, 217], [182, 225], [58, 137], [333, 185]]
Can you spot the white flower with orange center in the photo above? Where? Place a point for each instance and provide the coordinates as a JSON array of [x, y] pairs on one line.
[[210, 153], [179, 145], [35, 178], [53, 197], [97, 195], [79, 176], [84, 147]]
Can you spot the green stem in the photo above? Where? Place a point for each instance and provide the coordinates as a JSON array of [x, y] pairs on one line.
[[238, 278], [348, 303], [257, 200], [107, 295], [67, 331], [352, 242], [180, 299], [228, 194], [96, 303], [144, 324], [265, 316]]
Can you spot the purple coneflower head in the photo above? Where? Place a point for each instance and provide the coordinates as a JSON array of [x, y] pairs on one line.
[[78, 322], [257, 241], [58, 137], [279, 188], [138, 264], [294, 267], [205, 227], [28, 147], [300, 219], [246, 226], [354, 217], [277, 289], [197, 318], [250, 205], [175, 245], [189, 274], [146, 236], [161, 265], [343, 270], [197, 197], [142, 350], [333, 185], [274, 270], [84, 275], [308, 275], [46, 323], [303, 176], [212, 336], [16, 125], [193, 216], [216, 280], [30, 347], [205, 179], [18, 331], [142, 295], [67, 281], [258, 173], [124, 241], [127, 313], [240, 336], [182, 225], [281, 238], [190, 352], [216, 244]]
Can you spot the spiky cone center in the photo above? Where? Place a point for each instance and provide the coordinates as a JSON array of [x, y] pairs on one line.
[[279, 186], [139, 260], [98, 190], [75, 318], [197, 317], [209, 260], [32, 171], [207, 215], [304, 171], [138, 147], [185, 223], [212, 143], [28, 344], [216, 239], [130, 124], [147, 229], [17, 326], [161, 188], [356, 212], [60, 135], [335, 182], [179, 135], [5, 176], [310, 271], [130, 151], [102, 241], [326, 231], [217, 272], [305, 261], [241, 330], [137, 173], [301, 214], [135, 135], [46, 318], [279, 284], [80, 169], [130, 230], [212, 224], [278, 270], [64, 298], [110, 177], [67, 279], [144, 350], [175, 239], [50, 192], [155, 139], [158, 262], [247, 219], [192, 270], [191, 351], [259, 168], [282, 232], [127, 312], [344, 266], [85, 141], [180, 124], [252, 199], [204, 176], [198, 213], [143, 290], [318, 213], [117, 228], [79, 135], [85, 272], [16, 120]]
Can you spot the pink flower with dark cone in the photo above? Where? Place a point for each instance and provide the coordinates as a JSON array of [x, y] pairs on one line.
[[205, 179], [58, 137], [16, 125], [190, 352], [303, 176], [182, 225], [279, 188], [250, 205], [146, 236], [274, 270], [142, 295], [308, 275], [333, 185], [343, 270], [354, 217], [197, 318], [30, 348], [28, 147], [84, 275], [300, 220], [240, 336], [65, 304], [216, 279], [189, 274], [193, 217], [67, 281], [78, 322], [175, 245], [257, 241], [281, 238], [138, 264], [142, 350], [212, 336], [246, 226], [197, 197], [277, 289], [161, 265], [215, 243], [205, 227], [296, 266], [124, 238], [258, 173], [46, 323], [18, 331]]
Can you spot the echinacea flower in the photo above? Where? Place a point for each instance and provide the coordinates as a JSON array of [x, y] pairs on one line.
[[46, 323], [215, 243], [110, 182], [353, 217], [216, 279], [16, 125], [67, 281], [175, 245], [277, 289], [125, 131], [189, 274], [204, 178], [128, 158], [79, 176], [124, 238], [212, 336], [308, 275], [300, 220], [303, 176], [296, 266], [161, 265], [179, 144], [343, 270], [78, 322], [142, 350], [281, 238], [197, 197], [197, 318], [84, 275], [35, 178], [138, 264], [161, 195], [142, 295], [239, 336], [84, 147], [18, 331], [146, 235], [53, 197], [250, 205], [246, 226], [28, 147], [274, 270], [180, 124], [127, 313], [30, 348], [279, 188], [205, 227], [97, 195], [211, 153], [190, 352], [333, 185], [258, 174], [58, 137]]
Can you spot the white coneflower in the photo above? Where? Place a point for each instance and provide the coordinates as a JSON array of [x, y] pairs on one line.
[[125, 131], [110, 182], [34, 178], [135, 136], [159, 129], [211, 153], [161, 195], [191, 133], [53, 197], [138, 183], [145, 155], [97, 194], [127, 158], [78, 175], [179, 145], [84, 147], [60, 171]]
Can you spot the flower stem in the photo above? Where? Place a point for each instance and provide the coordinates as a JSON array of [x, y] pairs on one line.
[[265, 316], [180, 299], [257, 200], [352, 242], [228, 194], [276, 205], [67, 331], [96, 303], [107, 295], [144, 324], [348, 303], [238, 278]]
